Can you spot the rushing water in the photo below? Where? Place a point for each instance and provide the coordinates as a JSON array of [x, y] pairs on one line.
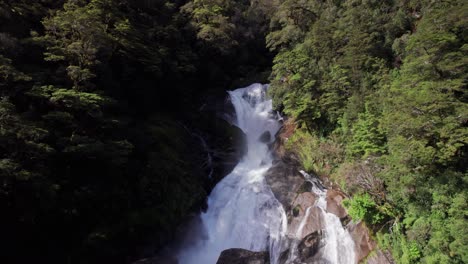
[[242, 210], [337, 243]]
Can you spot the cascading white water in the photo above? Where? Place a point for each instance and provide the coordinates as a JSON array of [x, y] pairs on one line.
[[242, 210], [338, 245]]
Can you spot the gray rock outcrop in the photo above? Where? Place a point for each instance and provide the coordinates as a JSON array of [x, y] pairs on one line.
[[243, 256]]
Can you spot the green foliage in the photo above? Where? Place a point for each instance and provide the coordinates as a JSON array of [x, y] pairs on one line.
[[72, 100], [77, 35], [9, 74], [367, 138], [316, 154], [363, 207], [213, 21], [387, 81], [338, 56], [293, 70]]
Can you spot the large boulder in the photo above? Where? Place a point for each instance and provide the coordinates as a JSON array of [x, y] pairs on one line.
[[224, 142], [243, 256], [227, 144], [334, 203], [312, 223], [265, 137], [307, 251], [309, 247], [285, 180], [363, 242]]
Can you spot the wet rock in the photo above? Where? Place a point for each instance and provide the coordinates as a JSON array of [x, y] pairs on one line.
[[305, 187], [243, 256], [286, 131], [228, 144], [334, 203], [309, 247], [308, 250], [283, 258], [363, 243], [314, 221], [284, 180], [283, 177], [265, 137], [305, 200]]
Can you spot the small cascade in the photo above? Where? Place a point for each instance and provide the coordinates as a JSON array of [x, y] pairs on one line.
[[336, 245], [303, 222]]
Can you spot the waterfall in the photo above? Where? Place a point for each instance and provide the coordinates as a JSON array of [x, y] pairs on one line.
[[242, 210]]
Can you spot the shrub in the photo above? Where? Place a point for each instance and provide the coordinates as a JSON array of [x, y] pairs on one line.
[[362, 207], [315, 154]]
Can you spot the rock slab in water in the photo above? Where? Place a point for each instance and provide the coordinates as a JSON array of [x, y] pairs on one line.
[[363, 242], [334, 203], [314, 221], [284, 180], [228, 144], [265, 137], [243, 256], [309, 247]]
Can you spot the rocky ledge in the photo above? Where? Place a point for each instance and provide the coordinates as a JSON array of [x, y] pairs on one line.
[[243, 256]]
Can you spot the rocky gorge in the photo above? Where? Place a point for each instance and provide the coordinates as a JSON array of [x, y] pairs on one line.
[[293, 190], [309, 202]]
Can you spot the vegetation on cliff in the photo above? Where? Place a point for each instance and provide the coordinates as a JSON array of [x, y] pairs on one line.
[[379, 92]]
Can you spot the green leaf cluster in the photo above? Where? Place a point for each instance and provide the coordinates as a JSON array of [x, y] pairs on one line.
[[362, 207]]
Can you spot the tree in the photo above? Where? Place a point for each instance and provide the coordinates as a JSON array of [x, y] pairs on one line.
[[77, 35], [367, 139]]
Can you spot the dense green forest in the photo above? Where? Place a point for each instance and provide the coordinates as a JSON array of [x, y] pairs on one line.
[[98, 103], [379, 91], [99, 100]]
